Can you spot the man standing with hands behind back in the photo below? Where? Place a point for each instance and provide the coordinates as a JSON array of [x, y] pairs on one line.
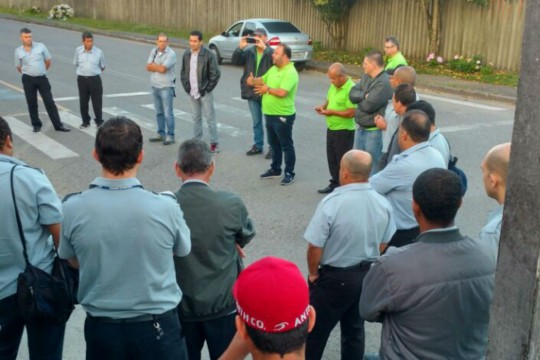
[[89, 64], [257, 60]]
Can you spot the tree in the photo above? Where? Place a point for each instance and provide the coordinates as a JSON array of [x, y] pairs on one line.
[[335, 15], [432, 10]]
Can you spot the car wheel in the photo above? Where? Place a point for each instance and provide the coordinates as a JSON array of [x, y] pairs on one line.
[[300, 66], [214, 49]]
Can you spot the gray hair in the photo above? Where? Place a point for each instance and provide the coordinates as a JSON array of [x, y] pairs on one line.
[[194, 157]]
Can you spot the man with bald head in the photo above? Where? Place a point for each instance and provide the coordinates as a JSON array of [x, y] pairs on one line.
[[339, 112], [343, 238], [494, 173]]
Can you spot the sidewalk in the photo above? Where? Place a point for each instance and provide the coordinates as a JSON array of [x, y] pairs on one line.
[[431, 83]]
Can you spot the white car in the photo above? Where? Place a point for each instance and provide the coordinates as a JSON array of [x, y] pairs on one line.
[[279, 31]]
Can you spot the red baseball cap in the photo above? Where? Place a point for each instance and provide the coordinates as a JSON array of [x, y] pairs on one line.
[[272, 295]]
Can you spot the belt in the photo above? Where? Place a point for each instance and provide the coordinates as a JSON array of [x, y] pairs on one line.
[[88, 77], [362, 266], [39, 76], [140, 318]]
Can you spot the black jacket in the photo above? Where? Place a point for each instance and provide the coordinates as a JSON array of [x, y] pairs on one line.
[[208, 72], [371, 95], [248, 58]]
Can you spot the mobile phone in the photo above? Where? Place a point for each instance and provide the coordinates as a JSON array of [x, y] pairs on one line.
[[251, 40]]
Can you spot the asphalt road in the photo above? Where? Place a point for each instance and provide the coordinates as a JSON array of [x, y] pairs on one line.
[[280, 213]]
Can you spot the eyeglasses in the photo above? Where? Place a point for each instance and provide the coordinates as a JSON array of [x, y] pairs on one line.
[[389, 46]]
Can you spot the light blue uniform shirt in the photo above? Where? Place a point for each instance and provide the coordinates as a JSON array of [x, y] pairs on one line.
[[392, 123], [33, 62], [491, 233], [350, 224], [124, 238], [396, 180], [88, 63], [439, 142], [39, 206], [168, 59]]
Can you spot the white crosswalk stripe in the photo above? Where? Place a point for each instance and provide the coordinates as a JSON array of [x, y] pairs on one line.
[[142, 122], [40, 141], [75, 121]]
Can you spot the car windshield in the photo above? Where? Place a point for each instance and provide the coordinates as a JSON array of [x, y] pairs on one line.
[[280, 27]]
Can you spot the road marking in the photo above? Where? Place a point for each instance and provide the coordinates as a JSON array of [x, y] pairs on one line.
[[457, 128], [40, 141], [462, 102], [75, 121], [114, 111], [187, 117], [139, 93]]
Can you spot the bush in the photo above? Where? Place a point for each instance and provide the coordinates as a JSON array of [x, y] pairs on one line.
[[469, 65], [61, 12], [33, 10]]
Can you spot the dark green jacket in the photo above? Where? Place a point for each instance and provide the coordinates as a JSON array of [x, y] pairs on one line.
[[218, 220]]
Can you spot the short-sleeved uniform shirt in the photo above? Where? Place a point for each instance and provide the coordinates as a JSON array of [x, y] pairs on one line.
[[166, 58], [124, 238], [439, 142], [280, 78], [38, 207], [32, 63], [89, 63], [338, 99]]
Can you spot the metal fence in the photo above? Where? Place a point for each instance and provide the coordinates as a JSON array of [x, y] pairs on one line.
[[494, 31]]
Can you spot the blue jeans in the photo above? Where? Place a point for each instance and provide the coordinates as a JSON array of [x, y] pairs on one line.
[[279, 132], [198, 106], [163, 103], [45, 342], [141, 340], [255, 107], [370, 141]]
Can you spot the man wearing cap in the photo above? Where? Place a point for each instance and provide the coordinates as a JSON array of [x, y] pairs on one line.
[[256, 60], [344, 237], [220, 227], [433, 296], [274, 315]]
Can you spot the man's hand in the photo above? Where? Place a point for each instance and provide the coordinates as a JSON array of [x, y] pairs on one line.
[[312, 278], [250, 80], [243, 42], [241, 251], [380, 122], [319, 109], [261, 89]]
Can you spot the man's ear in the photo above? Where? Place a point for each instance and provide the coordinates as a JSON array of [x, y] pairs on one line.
[[416, 210], [311, 318], [241, 328], [95, 154], [140, 157], [177, 169]]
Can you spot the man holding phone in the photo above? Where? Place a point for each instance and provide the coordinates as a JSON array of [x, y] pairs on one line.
[[256, 60]]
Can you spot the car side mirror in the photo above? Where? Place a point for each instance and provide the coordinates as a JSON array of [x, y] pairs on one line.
[[225, 34]]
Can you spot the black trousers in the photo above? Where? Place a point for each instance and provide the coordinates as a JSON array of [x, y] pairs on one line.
[[404, 237], [33, 84], [338, 142], [335, 296], [90, 87]]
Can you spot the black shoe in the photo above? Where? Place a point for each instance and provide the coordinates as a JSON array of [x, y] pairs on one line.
[[326, 190], [270, 174], [254, 151], [84, 126], [99, 123], [62, 128], [37, 129]]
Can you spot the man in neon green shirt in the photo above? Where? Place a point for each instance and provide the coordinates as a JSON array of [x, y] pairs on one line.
[[339, 112], [393, 57], [278, 89]]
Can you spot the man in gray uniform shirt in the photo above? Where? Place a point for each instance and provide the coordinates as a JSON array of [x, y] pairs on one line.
[[344, 237], [124, 238], [433, 296]]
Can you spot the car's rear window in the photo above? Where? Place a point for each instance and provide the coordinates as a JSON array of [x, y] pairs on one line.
[[280, 27]]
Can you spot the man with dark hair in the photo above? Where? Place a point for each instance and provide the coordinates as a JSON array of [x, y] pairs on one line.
[[220, 228], [162, 64], [394, 59], [32, 60], [278, 90], [124, 237], [199, 75], [339, 112], [433, 296], [395, 181], [40, 213], [274, 315], [89, 64], [371, 94], [256, 60], [341, 247]]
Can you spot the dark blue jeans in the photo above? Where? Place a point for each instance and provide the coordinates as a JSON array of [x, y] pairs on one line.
[[45, 342], [217, 333], [279, 132], [142, 340]]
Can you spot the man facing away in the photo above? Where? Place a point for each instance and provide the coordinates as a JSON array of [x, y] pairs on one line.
[[124, 238], [433, 296], [371, 94], [278, 90], [344, 237], [200, 74], [162, 64], [89, 64], [339, 112], [40, 212], [274, 315], [256, 60], [220, 228], [32, 60], [494, 174], [394, 59]]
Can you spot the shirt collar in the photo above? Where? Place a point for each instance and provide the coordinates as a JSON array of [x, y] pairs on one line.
[[415, 148], [353, 186], [11, 159], [194, 181], [116, 183]]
